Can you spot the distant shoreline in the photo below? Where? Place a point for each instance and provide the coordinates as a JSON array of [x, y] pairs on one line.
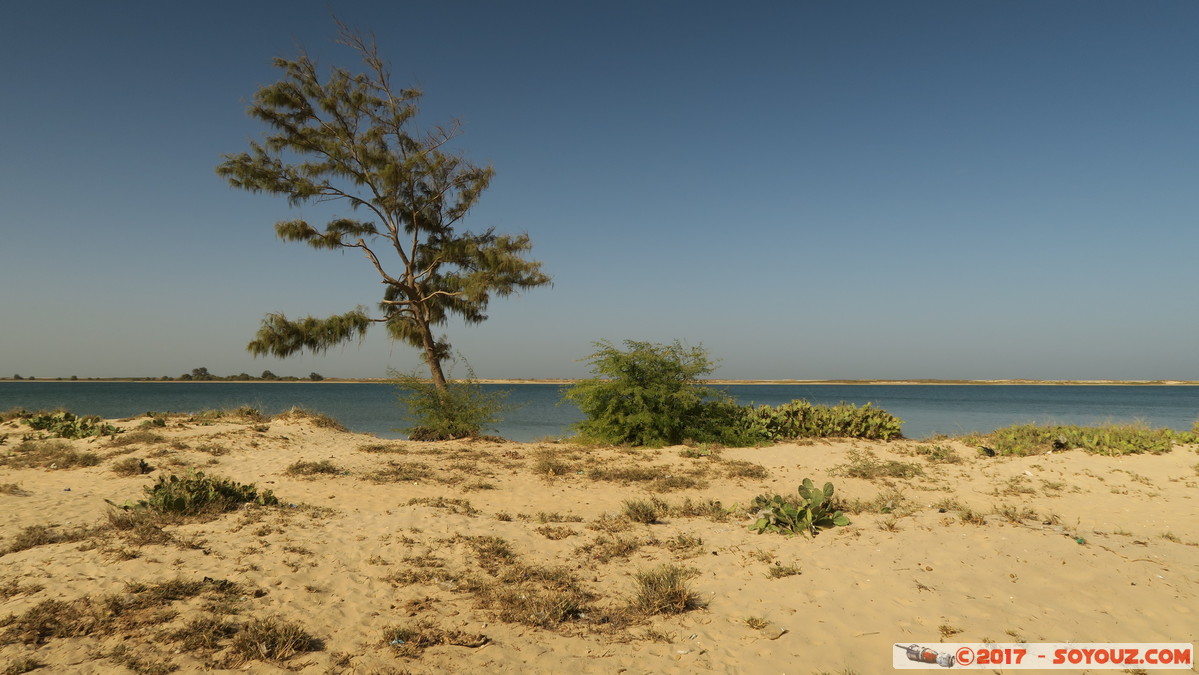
[[910, 382]]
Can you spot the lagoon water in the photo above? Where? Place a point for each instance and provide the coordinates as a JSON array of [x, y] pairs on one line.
[[372, 408]]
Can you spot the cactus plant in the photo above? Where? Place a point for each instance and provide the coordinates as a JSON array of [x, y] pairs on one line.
[[808, 513]]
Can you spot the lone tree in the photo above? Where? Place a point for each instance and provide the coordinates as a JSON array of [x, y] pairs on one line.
[[351, 138]]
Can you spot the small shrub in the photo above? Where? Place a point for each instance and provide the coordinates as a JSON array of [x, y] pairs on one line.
[[131, 466], [462, 410], [808, 513], [664, 590], [648, 394], [645, 512]]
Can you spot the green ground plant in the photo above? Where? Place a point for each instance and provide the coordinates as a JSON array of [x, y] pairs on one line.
[[801, 419], [196, 494], [808, 512], [1110, 439], [65, 424]]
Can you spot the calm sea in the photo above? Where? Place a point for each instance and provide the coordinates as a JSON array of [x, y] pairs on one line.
[[372, 408]]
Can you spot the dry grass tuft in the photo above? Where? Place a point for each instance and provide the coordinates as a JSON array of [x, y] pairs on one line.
[[272, 639], [49, 454], [323, 467], [664, 590], [410, 640]]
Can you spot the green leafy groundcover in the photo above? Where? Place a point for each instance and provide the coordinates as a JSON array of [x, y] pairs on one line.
[[65, 424], [196, 493]]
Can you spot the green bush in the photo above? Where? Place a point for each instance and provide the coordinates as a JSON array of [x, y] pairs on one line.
[[196, 494], [649, 394], [808, 512], [463, 410], [65, 424]]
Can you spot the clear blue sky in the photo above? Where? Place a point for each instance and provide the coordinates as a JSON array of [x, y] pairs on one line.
[[925, 189]]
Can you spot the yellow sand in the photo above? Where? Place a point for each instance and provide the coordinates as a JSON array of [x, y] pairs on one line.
[[915, 575]]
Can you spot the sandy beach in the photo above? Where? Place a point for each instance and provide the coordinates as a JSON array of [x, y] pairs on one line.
[[488, 556]]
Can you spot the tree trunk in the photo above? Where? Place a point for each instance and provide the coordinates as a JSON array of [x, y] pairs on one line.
[[429, 343]]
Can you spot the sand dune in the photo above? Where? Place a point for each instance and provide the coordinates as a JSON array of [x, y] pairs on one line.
[[507, 557]]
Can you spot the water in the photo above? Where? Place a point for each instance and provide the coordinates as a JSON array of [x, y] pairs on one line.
[[371, 407]]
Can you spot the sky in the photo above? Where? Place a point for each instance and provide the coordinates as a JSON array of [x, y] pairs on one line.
[[809, 190]]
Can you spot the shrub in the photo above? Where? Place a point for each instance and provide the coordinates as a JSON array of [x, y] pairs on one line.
[[197, 494], [649, 394], [809, 513], [463, 410], [131, 466]]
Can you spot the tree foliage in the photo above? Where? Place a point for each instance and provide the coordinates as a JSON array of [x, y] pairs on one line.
[[352, 138]]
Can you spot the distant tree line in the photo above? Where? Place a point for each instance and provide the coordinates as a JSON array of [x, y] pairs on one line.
[[201, 375]]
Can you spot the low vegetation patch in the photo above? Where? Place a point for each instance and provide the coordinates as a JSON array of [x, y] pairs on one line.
[[198, 495], [323, 467], [65, 424], [33, 536], [410, 640], [1112, 439], [48, 454], [867, 465], [801, 419], [317, 419], [136, 438]]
